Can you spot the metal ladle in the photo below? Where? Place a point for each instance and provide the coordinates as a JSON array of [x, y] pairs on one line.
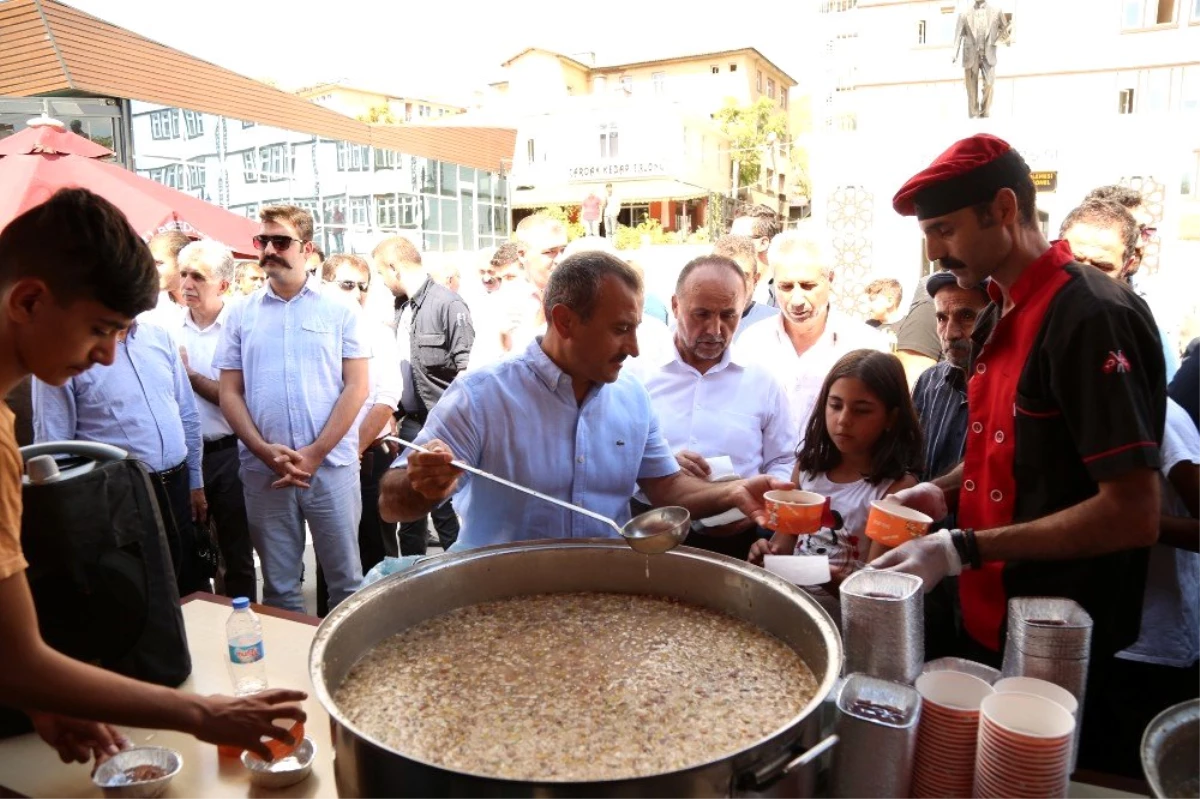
[[651, 533]]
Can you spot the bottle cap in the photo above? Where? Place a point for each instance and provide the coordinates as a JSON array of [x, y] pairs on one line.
[[241, 603]]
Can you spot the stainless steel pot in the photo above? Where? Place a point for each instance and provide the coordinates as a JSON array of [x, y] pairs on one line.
[[779, 764], [1169, 751]]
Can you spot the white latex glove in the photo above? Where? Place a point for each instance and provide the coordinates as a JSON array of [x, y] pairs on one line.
[[930, 557], [925, 498]]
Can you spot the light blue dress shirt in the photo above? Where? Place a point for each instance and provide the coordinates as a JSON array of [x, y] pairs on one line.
[[290, 353], [519, 419], [143, 404]]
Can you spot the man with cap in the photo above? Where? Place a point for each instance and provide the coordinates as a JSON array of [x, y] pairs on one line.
[[1058, 493]]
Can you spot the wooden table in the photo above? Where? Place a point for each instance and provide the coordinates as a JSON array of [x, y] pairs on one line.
[[31, 768]]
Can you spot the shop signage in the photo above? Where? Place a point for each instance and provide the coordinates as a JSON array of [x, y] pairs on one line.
[[616, 171], [1045, 181]]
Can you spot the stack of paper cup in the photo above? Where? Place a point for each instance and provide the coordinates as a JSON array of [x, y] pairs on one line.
[[1055, 693], [944, 765], [1024, 747]]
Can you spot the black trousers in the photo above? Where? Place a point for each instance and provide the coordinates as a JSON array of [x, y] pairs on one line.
[[413, 534], [181, 537], [376, 538], [227, 510]]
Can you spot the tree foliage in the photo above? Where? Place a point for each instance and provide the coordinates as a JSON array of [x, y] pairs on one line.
[[379, 114], [748, 128]]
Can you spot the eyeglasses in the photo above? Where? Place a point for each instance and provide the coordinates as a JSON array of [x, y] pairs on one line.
[[351, 285], [280, 243]]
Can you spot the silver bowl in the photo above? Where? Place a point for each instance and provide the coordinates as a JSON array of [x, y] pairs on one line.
[[283, 771], [1169, 751], [111, 774]]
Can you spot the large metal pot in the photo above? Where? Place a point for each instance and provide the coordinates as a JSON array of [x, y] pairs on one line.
[[1169, 748], [781, 762]]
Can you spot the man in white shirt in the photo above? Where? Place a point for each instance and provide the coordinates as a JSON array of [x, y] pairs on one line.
[[206, 271], [808, 337], [348, 278], [721, 416], [165, 247]]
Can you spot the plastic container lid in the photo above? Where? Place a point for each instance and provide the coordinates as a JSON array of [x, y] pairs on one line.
[[241, 603]]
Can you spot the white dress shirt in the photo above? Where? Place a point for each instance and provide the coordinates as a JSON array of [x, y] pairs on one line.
[[766, 343], [201, 346], [166, 314], [383, 373], [736, 408]]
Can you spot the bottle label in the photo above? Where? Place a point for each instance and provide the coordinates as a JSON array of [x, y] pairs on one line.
[[246, 654]]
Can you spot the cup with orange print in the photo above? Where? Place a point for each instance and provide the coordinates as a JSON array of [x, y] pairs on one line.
[[794, 512], [891, 524]]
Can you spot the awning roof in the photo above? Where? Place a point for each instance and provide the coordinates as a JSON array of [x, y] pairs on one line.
[[635, 191]]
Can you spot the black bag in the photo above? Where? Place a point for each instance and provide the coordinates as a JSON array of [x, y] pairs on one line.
[[101, 574]]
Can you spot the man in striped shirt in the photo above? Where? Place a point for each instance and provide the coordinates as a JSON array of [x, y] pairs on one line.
[[941, 392]]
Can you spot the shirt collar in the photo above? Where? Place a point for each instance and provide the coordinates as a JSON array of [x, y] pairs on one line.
[[1036, 275], [672, 356], [547, 370], [218, 322], [953, 376], [421, 293], [313, 284]]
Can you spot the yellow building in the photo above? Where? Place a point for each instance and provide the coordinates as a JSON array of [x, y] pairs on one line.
[[360, 103], [646, 127]]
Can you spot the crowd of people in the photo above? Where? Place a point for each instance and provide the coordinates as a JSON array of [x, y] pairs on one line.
[[1021, 401]]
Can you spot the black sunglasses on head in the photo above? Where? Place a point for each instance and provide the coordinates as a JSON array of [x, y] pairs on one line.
[[280, 243]]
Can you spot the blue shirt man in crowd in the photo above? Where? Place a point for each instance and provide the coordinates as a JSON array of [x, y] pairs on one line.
[[561, 418], [293, 378], [142, 403]]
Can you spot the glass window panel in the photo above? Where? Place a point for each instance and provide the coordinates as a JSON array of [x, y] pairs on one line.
[[449, 185], [450, 243], [449, 215], [487, 221], [467, 174], [433, 242], [485, 178], [431, 213]]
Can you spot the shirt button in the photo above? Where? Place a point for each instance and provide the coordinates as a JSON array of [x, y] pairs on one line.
[[977, 427], [579, 459], [996, 495], [999, 436], [969, 485], [980, 368]]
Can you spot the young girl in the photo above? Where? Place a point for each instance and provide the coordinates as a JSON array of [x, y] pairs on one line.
[[861, 443]]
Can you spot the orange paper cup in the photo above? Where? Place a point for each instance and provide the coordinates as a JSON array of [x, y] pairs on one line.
[[794, 512], [891, 524]]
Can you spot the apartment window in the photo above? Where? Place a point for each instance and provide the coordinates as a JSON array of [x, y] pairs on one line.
[[1195, 10], [387, 159], [170, 176], [250, 166], [1189, 89], [758, 84], [386, 210], [608, 140], [353, 157], [1125, 101], [530, 151], [783, 95], [659, 80], [409, 211], [922, 32], [193, 123], [273, 162], [627, 84], [195, 176], [164, 124], [247, 124], [360, 211], [1138, 14], [716, 69], [771, 88], [733, 67]]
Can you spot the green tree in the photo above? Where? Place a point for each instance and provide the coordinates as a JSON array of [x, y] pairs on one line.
[[748, 128], [379, 114]]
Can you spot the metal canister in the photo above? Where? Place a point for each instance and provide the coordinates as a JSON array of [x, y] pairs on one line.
[[877, 732], [883, 624]]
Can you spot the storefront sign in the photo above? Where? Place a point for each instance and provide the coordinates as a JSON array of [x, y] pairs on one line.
[[1045, 181], [616, 171]]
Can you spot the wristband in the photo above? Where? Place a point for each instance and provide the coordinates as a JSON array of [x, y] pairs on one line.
[[976, 562], [959, 539]]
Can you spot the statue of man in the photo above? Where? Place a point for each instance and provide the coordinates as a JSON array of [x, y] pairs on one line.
[[978, 32]]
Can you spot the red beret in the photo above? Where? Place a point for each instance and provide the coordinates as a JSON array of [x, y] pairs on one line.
[[970, 172]]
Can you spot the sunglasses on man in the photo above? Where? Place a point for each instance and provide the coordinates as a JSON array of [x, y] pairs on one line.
[[280, 243], [351, 285]]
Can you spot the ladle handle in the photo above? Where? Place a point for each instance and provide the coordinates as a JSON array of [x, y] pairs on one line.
[[516, 487]]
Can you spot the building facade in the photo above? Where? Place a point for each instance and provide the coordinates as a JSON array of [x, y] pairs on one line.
[[1091, 93], [645, 127], [359, 103], [242, 144]]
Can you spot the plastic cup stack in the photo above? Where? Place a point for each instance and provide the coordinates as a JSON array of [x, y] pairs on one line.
[[948, 734], [1025, 744]]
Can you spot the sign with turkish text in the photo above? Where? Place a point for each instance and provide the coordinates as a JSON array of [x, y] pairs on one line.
[[616, 170], [1045, 181]]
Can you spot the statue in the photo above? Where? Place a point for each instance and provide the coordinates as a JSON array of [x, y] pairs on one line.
[[978, 32]]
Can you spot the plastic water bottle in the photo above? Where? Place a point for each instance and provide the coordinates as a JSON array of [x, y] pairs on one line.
[[243, 633]]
